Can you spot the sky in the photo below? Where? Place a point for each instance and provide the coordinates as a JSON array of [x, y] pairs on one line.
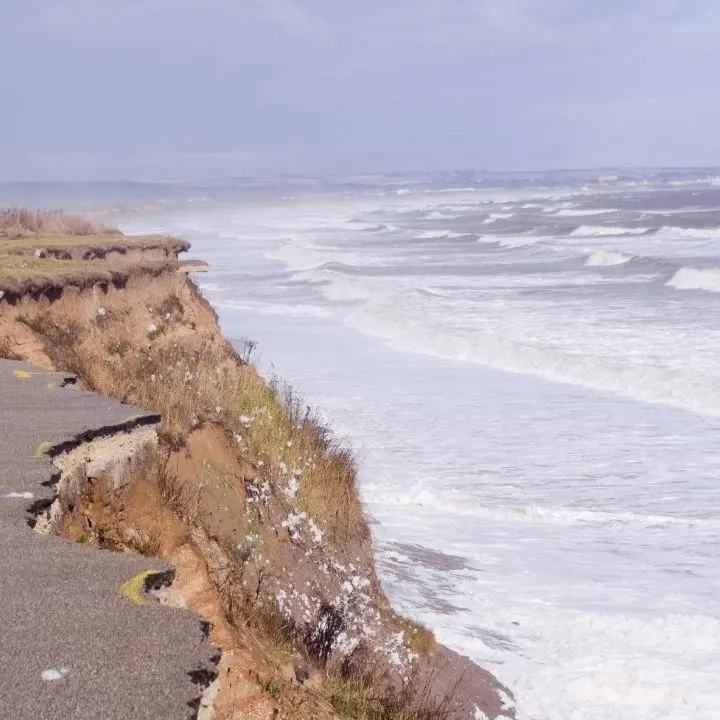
[[158, 89]]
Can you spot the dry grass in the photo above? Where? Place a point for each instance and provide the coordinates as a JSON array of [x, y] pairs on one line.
[[419, 638], [7, 351], [20, 222], [42, 251], [366, 695]]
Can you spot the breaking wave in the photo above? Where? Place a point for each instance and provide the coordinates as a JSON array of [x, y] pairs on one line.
[[436, 234], [395, 318], [493, 217], [570, 212], [691, 233], [608, 258], [601, 230], [537, 513], [436, 215], [688, 278]]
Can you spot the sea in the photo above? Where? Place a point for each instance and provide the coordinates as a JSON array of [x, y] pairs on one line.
[[528, 365]]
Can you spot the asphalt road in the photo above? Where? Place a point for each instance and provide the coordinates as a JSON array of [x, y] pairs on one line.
[[70, 645]]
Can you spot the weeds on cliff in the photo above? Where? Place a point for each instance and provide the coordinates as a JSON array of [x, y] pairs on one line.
[[61, 341], [246, 350], [7, 349], [418, 637], [183, 499], [172, 305], [367, 695]]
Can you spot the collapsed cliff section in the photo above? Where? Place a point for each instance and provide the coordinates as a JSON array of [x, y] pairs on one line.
[[251, 497]]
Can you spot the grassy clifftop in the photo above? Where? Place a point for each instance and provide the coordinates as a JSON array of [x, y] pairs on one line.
[[41, 252]]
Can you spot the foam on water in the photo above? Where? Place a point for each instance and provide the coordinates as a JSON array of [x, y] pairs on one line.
[[692, 233], [436, 234], [494, 217], [608, 258], [601, 230], [580, 212], [428, 498], [383, 318], [688, 278]]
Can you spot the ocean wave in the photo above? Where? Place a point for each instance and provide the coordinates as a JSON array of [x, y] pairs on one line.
[[688, 278], [608, 258], [535, 514], [299, 258], [437, 234], [407, 326], [601, 230], [436, 215], [577, 212], [691, 233], [518, 241], [493, 217], [341, 289], [513, 241]]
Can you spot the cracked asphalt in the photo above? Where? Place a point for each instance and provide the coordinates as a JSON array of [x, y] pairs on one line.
[[70, 645]]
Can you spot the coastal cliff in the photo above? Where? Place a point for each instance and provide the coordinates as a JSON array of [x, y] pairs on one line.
[[248, 495]]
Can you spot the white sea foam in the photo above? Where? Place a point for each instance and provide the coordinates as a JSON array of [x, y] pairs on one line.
[[689, 278], [436, 234], [571, 212], [612, 666], [493, 217], [431, 336], [534, 514], [692, 233], [608, 258], [518, 241], [601, 230], [436, 215]]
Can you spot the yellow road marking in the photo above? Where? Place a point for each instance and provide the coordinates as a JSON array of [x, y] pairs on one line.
[[132, 589], [41, 448], [21, 374]]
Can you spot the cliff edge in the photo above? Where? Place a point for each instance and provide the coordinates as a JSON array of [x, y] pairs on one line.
[[247, 494]]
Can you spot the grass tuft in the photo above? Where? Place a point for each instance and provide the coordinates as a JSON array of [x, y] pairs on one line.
[[365, 695], [21, 222]]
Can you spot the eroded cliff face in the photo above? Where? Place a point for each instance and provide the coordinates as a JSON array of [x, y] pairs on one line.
[[252, 499]]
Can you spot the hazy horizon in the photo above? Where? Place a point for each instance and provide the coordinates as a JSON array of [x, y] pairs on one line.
[[154, 89]]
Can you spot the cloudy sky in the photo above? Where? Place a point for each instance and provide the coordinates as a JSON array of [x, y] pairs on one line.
[[179, 88]]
